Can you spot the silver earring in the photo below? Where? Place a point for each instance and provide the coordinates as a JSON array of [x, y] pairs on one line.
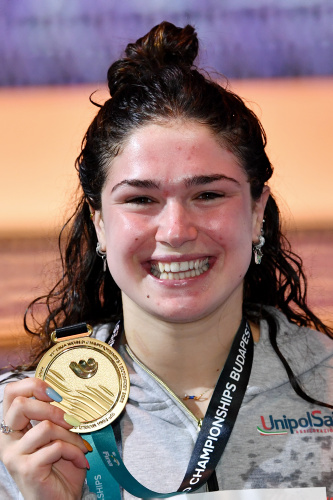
[[101, 254], [257, 248]]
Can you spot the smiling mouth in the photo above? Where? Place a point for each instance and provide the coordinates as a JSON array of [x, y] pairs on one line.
[[179, 270]]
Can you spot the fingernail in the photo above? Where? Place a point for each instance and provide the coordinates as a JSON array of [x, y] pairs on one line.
[[71, 420], [87, 445], [51, 393], [87, 464]]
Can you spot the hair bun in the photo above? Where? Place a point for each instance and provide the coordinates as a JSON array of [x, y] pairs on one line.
[[164, 45]]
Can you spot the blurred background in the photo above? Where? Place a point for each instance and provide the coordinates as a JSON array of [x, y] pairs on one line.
[[278, 56]]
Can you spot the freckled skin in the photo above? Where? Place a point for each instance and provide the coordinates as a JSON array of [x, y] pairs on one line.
[[179, 221]]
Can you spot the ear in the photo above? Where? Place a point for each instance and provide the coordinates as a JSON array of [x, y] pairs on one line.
[[100, 230], [258, 213]]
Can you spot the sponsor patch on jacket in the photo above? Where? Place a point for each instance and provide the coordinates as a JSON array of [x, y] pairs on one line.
[[315, 421]]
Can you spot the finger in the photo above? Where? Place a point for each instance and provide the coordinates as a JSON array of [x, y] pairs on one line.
[[45, 433], [28, 388], [23, 410], [55, 451], [38, 467]]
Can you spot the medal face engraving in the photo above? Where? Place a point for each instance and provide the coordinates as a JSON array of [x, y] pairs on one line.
[[84, 369], [92, 379]]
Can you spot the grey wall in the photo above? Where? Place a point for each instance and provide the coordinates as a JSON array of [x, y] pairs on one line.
[[74, 41]]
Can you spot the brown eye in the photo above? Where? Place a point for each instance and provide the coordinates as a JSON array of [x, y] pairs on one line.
[[209, 195], [140, 200]]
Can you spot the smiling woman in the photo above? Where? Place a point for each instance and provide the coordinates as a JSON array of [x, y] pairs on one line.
[[174, 255], [175, 199]]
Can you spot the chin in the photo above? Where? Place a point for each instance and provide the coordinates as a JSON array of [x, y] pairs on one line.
[[180, 314]]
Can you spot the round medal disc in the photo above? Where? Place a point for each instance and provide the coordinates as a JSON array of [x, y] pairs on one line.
[[92, 379]]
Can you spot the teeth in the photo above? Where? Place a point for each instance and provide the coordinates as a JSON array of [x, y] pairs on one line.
[[179, 270]]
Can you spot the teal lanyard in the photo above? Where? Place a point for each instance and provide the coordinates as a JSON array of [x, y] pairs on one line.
[[107, 470], [99, 479]]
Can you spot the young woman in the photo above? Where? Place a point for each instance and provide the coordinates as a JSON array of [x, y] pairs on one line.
[[173, 171]]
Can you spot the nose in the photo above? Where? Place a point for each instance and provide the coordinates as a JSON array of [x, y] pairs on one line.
[[176, 225]]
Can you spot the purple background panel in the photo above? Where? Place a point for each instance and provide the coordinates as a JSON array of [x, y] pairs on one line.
[[75, 41]]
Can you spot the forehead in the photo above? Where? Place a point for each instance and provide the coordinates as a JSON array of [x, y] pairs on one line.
[[172, 152]]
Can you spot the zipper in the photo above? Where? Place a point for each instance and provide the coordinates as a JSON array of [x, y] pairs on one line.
[[160, 382]]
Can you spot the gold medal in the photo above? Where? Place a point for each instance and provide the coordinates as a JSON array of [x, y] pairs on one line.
[[90, 376]]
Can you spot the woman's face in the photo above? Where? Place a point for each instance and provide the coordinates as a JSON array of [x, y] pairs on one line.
[[178, 222]]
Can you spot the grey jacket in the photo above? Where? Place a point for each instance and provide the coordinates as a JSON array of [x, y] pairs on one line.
[[279, 440]]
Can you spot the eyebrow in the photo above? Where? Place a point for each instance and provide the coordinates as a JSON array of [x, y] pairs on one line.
[[145, 183], [196, 180]]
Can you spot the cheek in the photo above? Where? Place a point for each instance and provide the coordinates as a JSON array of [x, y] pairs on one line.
[[118, 224], [231, 228], [125, 235]]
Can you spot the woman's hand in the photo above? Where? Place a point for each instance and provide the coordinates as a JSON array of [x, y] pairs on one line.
[[46, 461]]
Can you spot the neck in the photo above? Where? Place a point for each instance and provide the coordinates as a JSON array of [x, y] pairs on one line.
[[188, 357]]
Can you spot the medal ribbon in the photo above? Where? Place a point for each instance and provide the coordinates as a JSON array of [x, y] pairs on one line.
[[106, 463]]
